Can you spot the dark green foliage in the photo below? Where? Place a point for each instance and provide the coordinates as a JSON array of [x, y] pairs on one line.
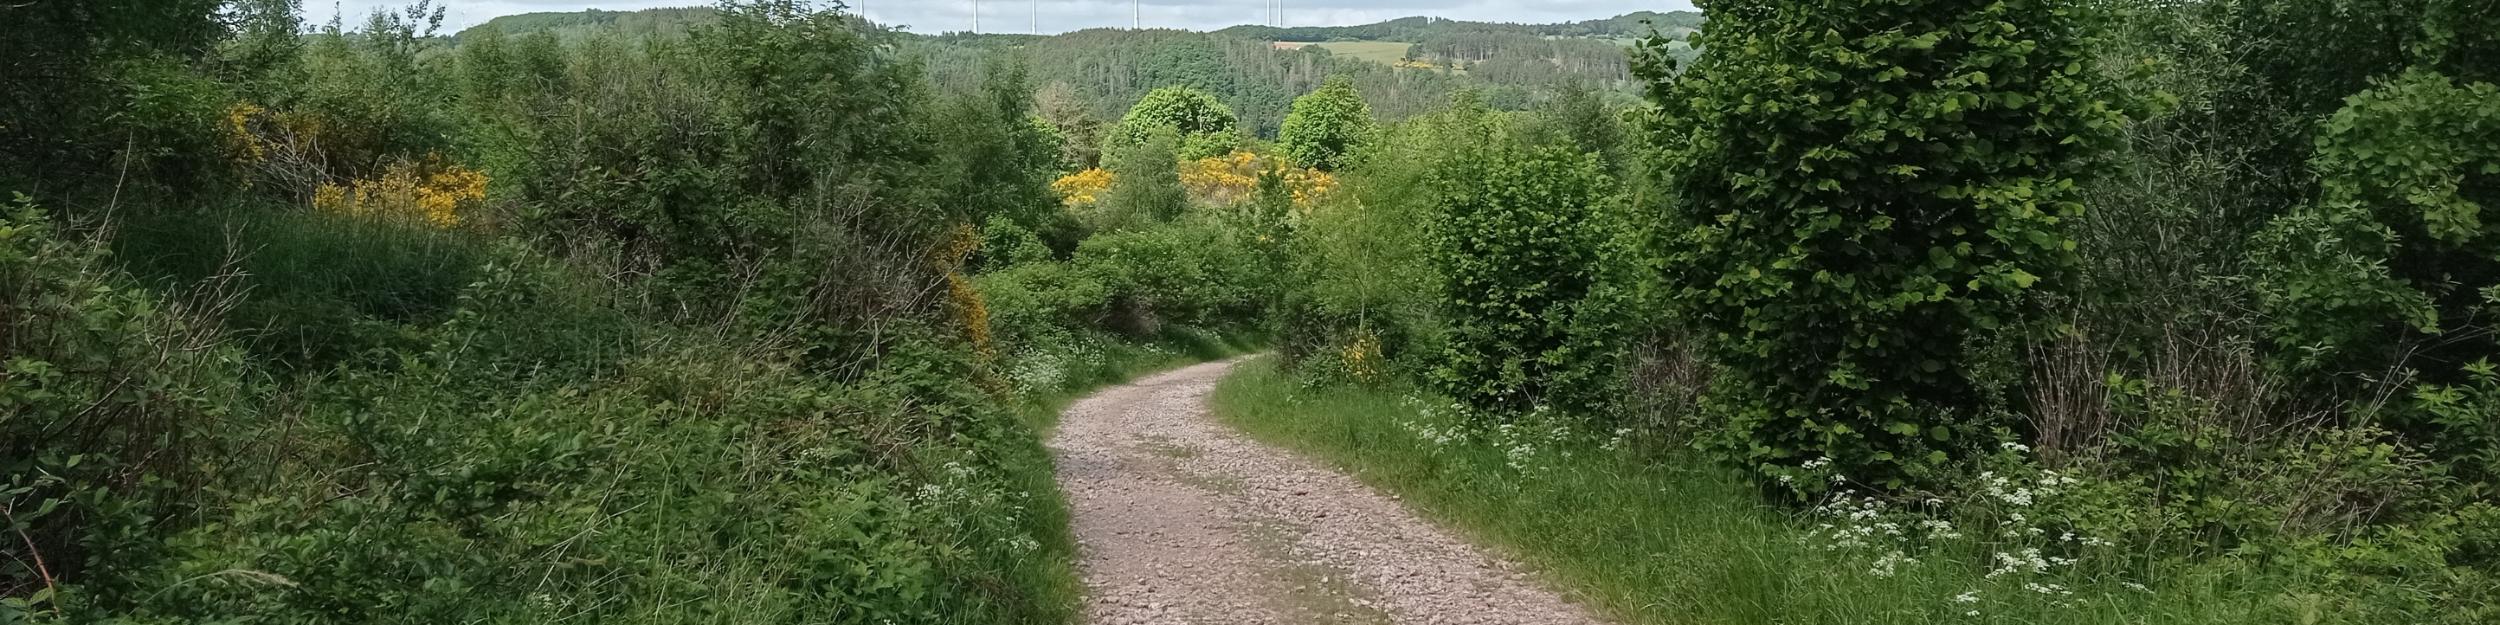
[[1193, 273], [1861, 193], [315, 289], [109, 397], [104, 86], [1586, 120], [1519, 239], [1328, 126], [2392, 258], [997, 162]]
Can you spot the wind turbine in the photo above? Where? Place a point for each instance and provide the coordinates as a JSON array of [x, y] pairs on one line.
[[1037, 17], [976, 17], [1133, 21]]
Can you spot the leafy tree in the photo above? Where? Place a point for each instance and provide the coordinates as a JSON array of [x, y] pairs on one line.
[[1327, 126], [1202, 125], [1587, 122], [997, 161], [1145, 186], [1863, 191], [1518, 239], [1080, 133], [89, 80], [2392, 269]]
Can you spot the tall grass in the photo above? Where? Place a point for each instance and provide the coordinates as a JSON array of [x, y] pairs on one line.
[[1649, 535]]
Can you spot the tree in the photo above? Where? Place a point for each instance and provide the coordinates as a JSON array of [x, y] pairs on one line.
[[1145, 186], [1587, 122], [1327, 125], [1862, 192], [1202, 125], [89, 80]]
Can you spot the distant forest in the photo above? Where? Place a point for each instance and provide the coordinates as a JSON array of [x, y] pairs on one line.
[[1097, 73]]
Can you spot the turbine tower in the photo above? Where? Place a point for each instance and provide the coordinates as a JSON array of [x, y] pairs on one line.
[[976, 17], [1133, 21], [1037, 17]]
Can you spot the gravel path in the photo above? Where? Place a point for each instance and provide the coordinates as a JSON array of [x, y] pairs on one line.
[[1184, 521]]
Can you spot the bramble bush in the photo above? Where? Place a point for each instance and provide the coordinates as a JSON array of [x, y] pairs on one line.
[[1862, 193]]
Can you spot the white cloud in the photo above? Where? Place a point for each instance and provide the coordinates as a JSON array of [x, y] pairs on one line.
[[1052, 16]]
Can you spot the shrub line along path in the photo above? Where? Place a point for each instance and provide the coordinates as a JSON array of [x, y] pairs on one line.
[[1182, 520]]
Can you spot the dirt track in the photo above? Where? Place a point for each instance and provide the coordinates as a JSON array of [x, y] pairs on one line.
[[1184, 521]]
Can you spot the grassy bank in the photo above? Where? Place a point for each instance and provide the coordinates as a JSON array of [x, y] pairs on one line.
[[1648, 537]]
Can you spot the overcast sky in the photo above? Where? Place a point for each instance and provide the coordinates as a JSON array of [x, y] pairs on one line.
[[1017, 16]]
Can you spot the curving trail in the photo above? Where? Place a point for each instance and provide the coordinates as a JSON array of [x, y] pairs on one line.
[[1184, 521]]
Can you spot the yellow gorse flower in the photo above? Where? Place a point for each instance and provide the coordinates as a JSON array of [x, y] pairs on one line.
[[1082, 188], [433, 190], [1362, 358], [1224, 180]]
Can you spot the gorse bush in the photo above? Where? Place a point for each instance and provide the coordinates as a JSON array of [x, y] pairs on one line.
[[1863, 193]]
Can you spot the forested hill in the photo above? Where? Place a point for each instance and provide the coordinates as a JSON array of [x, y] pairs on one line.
[[672, 21], [1403, 66], [1624, 26]]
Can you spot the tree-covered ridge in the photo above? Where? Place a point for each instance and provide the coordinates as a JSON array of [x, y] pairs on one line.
[[1106, 69], [1629, 25], [662, 21]]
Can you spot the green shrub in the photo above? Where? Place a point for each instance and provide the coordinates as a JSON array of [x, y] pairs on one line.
[[115, 405], [2389, 256], [1042, 302], [1193, 273], [1520, 239], [316, 288], [1860, 192]]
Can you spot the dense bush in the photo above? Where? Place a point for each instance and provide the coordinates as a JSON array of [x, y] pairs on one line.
[[1145, 186], [1520, 240], [1864, 195], [117, 404]]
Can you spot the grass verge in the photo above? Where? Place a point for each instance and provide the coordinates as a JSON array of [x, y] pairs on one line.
[[1653, 537]]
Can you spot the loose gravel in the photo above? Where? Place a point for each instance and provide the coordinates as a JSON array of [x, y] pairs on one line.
[[1183, 520]]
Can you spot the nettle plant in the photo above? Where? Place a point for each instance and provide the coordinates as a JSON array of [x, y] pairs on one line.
[[1863, 192]]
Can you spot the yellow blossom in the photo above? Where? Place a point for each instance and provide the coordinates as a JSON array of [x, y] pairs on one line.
[[1082, 188], [432, 190]]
